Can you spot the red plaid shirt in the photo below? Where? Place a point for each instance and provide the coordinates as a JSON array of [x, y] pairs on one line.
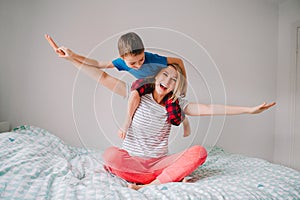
[[146, 86]]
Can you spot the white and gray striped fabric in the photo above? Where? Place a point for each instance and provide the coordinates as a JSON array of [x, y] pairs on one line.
[[35, 164], [149, 131]]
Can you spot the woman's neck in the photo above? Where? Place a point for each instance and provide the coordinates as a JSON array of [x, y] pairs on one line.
[[158, 98]]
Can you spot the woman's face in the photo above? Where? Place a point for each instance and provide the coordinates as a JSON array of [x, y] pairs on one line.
[[165, 81]]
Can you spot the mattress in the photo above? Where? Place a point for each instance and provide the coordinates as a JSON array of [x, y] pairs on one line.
[[36, 164]]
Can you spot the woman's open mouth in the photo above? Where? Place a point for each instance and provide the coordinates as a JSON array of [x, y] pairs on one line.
[[163, 87]]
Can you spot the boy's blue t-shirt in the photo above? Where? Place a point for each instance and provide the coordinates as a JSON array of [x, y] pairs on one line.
[[152, 65]]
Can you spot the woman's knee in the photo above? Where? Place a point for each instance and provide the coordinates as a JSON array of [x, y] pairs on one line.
[[113, 155], [199, 151]]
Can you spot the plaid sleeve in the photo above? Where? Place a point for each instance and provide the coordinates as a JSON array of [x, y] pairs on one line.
[[175, 114], [143, 86]]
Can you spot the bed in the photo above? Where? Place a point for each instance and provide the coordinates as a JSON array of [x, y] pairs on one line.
[[36, 164]]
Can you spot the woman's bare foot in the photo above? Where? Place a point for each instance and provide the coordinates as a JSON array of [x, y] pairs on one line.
[[185, 180], [137, 187], [188, 179]]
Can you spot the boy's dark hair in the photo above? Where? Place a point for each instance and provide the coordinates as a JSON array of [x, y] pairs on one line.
[[130, 44]]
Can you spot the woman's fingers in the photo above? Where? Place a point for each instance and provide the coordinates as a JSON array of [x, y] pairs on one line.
[[266, 106], [122, 134]]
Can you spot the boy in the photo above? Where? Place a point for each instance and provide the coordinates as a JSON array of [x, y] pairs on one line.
[[136, 61]]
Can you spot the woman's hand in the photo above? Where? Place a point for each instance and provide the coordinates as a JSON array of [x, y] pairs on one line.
[[260, 108], [122, 134]]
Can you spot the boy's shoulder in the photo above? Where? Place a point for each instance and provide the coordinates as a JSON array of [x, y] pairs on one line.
[[147, 53], [154, 57]]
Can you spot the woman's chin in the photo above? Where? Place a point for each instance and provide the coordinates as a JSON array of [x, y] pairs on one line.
[[159, 92]]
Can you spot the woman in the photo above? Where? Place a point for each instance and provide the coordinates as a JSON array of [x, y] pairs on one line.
[[144, 158]]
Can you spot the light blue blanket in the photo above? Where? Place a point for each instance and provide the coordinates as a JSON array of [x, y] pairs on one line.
[[35, 164]]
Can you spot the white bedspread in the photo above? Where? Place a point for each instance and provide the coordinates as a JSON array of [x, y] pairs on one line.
[[35, 164]]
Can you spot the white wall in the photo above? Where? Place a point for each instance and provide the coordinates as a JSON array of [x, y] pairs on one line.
[[289, 19], [240, 37]]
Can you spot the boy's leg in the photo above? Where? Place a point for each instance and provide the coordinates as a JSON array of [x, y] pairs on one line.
[[179, 165]]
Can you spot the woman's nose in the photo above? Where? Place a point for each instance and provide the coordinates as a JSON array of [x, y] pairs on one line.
[[168, 82]]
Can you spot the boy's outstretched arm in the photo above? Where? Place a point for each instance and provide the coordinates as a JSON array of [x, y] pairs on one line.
[[196, 109], [82, 59], [115, 85], [92, 62], [133, 103]]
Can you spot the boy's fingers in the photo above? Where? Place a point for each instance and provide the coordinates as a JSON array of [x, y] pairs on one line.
[[51, 42], [60, 51]]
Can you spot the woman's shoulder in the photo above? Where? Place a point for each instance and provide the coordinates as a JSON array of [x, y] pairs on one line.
[[183, 102]]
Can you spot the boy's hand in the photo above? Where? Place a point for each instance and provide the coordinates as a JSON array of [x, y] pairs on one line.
[[122, 134], [54, 45], [61, 51], [66, 53]]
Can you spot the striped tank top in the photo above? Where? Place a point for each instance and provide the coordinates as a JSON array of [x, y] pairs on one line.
[[149, 131]]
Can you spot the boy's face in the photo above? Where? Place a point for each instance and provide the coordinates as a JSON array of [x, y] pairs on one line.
[[134, 61]]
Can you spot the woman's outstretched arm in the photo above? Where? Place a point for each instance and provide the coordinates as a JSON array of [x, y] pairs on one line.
[[196, 109]]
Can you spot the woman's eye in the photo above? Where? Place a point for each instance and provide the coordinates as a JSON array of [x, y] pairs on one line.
[[165, 74]]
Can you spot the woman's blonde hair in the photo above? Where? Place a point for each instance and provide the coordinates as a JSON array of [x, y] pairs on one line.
[[181, 84]]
